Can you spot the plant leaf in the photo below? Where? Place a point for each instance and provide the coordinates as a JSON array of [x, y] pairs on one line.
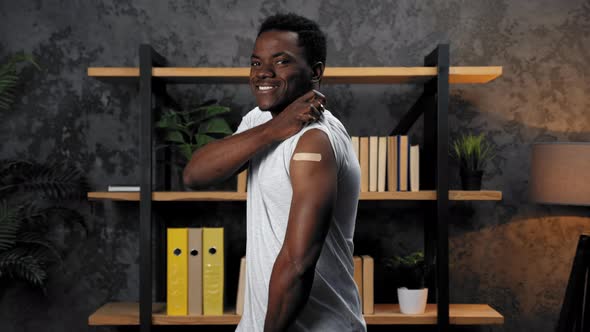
[[17, 264], [175, 136], [215, 126], [9, 226], [202, 140], [186, 150], [37, 239]]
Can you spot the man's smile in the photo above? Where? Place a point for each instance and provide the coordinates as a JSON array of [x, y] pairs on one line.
[[266, 87]]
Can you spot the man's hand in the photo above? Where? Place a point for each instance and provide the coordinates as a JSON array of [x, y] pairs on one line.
[[305, 109]]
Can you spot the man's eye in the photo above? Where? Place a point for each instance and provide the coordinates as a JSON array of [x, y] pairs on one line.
[[282, 61], [254, 64]]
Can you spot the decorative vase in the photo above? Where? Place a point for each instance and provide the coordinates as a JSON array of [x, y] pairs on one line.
[[470, 179], [412, 301]]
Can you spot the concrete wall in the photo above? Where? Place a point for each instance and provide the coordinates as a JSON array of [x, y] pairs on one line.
[[512, 254]]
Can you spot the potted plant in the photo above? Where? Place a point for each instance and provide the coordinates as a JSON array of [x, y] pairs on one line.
[[185, 131], [411, 271], [472, 152]]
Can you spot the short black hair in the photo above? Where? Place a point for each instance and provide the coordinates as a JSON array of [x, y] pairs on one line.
[[311, 38]]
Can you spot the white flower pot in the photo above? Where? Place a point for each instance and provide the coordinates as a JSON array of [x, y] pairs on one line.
[[412, 301]]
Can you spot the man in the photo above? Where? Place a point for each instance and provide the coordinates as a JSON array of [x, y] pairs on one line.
[[303, 187]]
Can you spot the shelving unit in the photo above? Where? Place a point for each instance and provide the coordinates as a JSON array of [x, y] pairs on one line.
[[153, 75]]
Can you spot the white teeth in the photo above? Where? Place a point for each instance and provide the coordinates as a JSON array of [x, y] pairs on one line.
[[265, 88]]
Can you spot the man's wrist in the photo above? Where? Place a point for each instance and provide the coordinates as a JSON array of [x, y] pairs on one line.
[[268, 134]]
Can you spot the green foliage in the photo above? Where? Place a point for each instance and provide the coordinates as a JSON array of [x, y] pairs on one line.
[[471, 151], [9, 78], [189, 130], [29, 192], [410, 271]]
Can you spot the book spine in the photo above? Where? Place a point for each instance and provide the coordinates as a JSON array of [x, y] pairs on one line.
[[213, 271], [177, 288], [373, 157], [368, 285], [358, 275], [382, 163], [364, 153], [195, 271], [241, 288]]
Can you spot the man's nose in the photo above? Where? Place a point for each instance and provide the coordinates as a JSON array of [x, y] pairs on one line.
[[265, 71]]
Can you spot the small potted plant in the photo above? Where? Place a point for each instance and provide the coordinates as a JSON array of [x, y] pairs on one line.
[[185, 131], [411, 271], [472, 152]]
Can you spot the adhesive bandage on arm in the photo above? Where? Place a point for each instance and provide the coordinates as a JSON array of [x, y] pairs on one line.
[[303, 156]]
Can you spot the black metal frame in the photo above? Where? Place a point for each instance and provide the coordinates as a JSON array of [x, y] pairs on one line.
[[433, 104]]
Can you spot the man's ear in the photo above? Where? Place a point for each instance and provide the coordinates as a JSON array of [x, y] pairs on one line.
[[318, 72]]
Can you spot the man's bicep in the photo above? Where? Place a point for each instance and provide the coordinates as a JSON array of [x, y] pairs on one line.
[[313, 174]]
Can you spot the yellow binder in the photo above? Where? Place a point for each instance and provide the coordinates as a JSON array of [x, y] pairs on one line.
[[177, 290], [213, 271]]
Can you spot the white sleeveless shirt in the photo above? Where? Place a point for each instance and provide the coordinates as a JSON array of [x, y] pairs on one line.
[[334, 302]]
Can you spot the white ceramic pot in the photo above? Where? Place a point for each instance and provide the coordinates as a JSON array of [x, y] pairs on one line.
[[412, 301]]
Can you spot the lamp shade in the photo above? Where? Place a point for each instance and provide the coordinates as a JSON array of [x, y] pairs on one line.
[[560, 173]]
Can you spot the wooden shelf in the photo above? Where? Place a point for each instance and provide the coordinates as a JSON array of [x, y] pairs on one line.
[[459, 314], [127, 313], [357, 75], [174, 196]]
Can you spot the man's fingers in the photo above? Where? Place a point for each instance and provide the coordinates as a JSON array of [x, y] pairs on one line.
[[319, 96], [308, 96], [315, 112]]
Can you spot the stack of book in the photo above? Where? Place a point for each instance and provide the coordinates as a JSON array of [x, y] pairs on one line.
[[388, 163], [363, 278], [195, 271]]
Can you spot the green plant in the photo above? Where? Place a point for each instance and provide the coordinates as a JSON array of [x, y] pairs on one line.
[[410, 271], [28, 213], [29, 193], [189, 130], [9, 77], [471, 151]]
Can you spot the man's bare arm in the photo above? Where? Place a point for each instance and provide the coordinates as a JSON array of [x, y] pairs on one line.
[[221, 159], [314, 181]]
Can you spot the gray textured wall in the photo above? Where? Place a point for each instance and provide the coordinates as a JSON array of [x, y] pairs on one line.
[[511, 254]]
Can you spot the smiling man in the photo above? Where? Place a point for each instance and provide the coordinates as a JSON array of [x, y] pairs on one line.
[[303, 187]]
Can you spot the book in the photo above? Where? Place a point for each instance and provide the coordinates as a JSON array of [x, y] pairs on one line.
[[358, 275], [122, 188], [355, 146], [242, 181], [382, 163], [241, 288], [364, 161], [373, 156], [177, 286], [213, 271], [195, 271], [392, 163], [403, 162], [368, 285], [414, 168]]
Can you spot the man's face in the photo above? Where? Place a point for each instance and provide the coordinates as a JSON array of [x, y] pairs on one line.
[[279, 72]]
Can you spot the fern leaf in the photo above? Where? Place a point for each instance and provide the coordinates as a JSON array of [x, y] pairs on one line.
[[16, 264], [54, 180], [37, 239], [9, 226]]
